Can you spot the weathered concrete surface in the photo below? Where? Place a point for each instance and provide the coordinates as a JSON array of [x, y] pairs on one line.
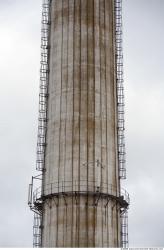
[[81, 125]]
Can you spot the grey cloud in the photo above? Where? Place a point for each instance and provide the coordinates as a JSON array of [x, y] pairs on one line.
[[144, 77]]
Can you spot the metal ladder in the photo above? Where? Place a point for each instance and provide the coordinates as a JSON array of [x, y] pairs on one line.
[[124, 229], [44, 79], [43, 102], [120, 89], [37, 230], [120, 113]]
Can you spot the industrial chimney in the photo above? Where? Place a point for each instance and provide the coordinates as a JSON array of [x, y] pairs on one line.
[[80, 148]]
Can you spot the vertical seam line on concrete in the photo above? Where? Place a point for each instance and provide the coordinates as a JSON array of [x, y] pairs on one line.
[[73, 24], [107, 83], [75, 235], [66, 98], [105, 167], [67, 92], [94, 113], [73, 207], [94, 17], [79, 126], [58, 180], [50, 208], [64, 225], [100, 51], [66, 222], [77, 4], [59, 162], [106, 179], [87, 118], [90, 106], [100, 114], [104, 104], [49, 231], [61, 107], [61, 94], [106, 208], [96, 146], [108, 224], [66, 112], [100, 43], [106, 90]]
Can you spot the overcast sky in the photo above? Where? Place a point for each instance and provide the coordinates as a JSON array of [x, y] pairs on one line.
[[143, 22]]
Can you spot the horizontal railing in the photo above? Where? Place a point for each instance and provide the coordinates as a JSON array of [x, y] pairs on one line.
[[81, 186]]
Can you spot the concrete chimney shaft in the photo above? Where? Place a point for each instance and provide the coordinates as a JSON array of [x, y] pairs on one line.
[[81, 156]]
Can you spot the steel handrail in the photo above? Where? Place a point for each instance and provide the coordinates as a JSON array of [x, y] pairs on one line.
[[78, 186]]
